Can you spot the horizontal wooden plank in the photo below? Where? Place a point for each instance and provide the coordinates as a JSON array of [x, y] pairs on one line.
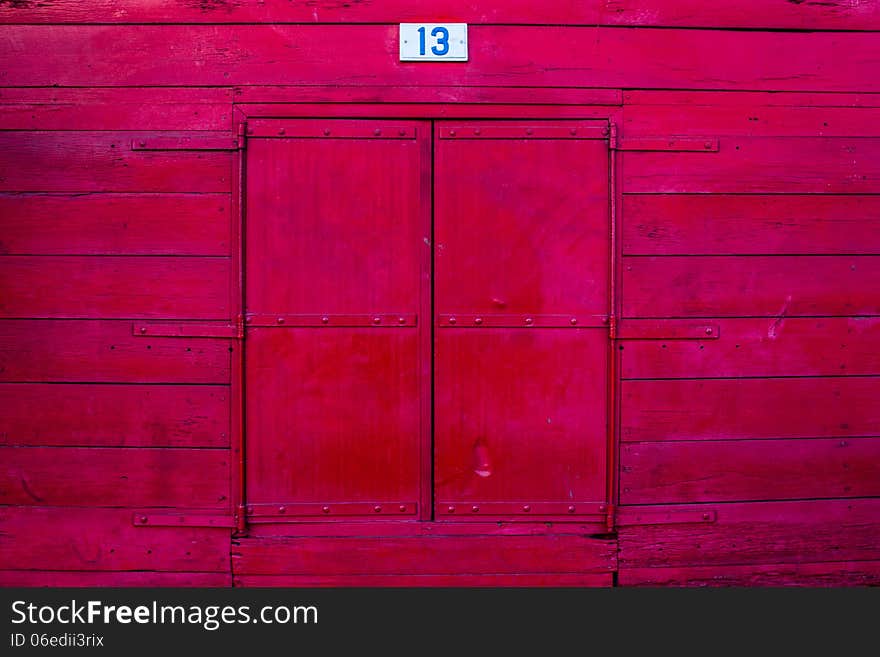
[[839, 15], [742, 470], [836, 574], [688, 99], [96, 539], [465, 579], [96, 415], [111, 286], [711, 409], [114, 477], [106, 352], [750, 286], [722, 224], [115, 224], [749, 120], [758, 533], [185, 55], [433, 555], [123, 108], [832, 165], [56, 578], [104, 162], [775, 346]]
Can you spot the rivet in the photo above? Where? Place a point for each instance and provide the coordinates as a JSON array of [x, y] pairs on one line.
[[601, 508], [282, 509], [475, 509], [452, 133], [325, 320], [248, 320], [143, 329], [478, 320], [573, 131], [450, 509], [402, 508], [377, 509], [280, 320], [452, 320], [326, 132], [325, 509], [477, 131], [571, 509], [142, 143], [706, 516], [250, 131], [377, 320], [528, 131], [401, 320], [401, 132], [604, 320], [843, 443], [281, 131], [709, 331], [526, 508], [250, 509], [573, 321], [605, 132], [529, 320], [142, 520], [377, 132], [708, 144]]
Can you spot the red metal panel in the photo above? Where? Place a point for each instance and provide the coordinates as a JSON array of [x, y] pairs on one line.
[[91, 351], [206, 55], [338, 230], [756, 165], [727, 224], [847, 15], [104, 162], [709, 409], [99, 476], [743, 286], [115, 224], [114, 287], [740, 470], [521, 240], [92, 415], [772, 346]]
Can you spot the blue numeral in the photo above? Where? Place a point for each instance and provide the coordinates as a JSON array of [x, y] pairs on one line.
[[422, 40], [442, 40]]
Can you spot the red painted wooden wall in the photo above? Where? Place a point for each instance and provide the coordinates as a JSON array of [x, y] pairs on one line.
[[746, 397]]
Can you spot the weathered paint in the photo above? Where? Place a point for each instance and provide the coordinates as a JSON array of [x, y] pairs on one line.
[[621, 327]]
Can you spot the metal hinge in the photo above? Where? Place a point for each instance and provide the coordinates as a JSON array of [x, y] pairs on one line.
[[676, 144], [186, 144], [628, 517], [149, 518], [168, 329]]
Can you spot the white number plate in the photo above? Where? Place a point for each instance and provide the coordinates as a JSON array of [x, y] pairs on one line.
[[434, 42]]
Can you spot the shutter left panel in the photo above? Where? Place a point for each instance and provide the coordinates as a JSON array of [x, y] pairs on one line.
[[337, 286]]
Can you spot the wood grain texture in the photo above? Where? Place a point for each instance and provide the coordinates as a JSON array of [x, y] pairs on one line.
[[712, 409], [115, 224], [835, 14], [772, 346], [183, 55], [750, 286], [423, 555], [125, 108], [727, 224], [604, 580], [96, 415], [114, 287], [56, 578], [757, 533], [756, 165], [101, 540], [114, 477], [833, 574], [92, 351], [55, 161], [742, 470], [719, 99]]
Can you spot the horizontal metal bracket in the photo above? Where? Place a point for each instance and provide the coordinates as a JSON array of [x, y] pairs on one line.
[[667, 329], [290, 512], [379, 320], [491, 320], [582, 130], [464, 509], [329, 129], [187, 330], [185, 144], [632, 517], [679, 144], [153, 519]]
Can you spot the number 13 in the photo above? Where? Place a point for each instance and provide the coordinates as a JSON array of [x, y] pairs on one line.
[[442, 36]]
